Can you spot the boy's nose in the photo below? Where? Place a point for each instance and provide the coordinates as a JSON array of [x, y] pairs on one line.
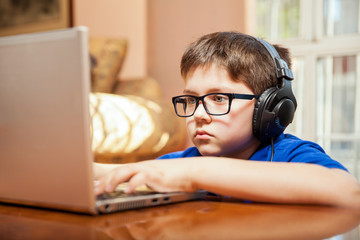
[[200, 112]]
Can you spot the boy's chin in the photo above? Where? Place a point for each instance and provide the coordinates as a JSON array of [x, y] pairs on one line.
[[209, 150]]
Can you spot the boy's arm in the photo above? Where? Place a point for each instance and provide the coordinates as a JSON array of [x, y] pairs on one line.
[[279, 182], [257, 181]]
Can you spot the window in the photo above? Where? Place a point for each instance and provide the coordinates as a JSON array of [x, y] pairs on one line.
[[324, 39], [278, 19]]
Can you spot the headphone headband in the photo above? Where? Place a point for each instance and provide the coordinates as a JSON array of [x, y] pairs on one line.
[[282, 69]]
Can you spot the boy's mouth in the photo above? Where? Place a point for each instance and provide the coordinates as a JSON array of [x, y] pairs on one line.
[[201, 134]]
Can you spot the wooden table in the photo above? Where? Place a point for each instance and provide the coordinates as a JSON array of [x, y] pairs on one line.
[[190, 220]]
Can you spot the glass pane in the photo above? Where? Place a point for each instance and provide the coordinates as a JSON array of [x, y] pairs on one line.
[[342, 149], [341, 17], [336, 85], [345, 152], [343, 94], [278, 19], [336, 109], [263, 21]]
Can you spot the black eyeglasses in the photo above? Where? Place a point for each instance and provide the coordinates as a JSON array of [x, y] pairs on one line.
[[216, 104]]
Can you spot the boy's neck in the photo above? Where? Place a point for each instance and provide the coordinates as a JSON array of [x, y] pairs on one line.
[[247, 151]]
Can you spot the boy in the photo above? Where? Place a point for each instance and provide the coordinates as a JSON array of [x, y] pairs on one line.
[[240, 150]]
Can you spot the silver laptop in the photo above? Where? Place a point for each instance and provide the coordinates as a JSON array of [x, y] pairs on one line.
[[45, 143]]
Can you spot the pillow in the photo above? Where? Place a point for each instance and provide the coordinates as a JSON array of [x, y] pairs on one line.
[[130, 128], [107, 57], [145, 87]]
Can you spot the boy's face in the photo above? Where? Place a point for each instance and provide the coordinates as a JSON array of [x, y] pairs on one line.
[[228, 135]]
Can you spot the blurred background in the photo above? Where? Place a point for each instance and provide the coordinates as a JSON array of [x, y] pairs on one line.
[[322, 35]]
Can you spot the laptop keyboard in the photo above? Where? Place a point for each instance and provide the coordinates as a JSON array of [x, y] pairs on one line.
[[119, 192]]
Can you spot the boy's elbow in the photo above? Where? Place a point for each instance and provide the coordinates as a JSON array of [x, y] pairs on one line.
[[355, 197], [350, 192]]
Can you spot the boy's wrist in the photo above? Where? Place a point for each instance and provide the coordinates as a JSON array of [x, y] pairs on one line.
[[195, 171]]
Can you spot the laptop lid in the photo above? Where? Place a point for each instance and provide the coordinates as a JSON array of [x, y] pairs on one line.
[[45, 143]]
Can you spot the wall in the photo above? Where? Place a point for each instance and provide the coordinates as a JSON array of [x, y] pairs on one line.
[[159, 30], [173, 24], [117, 18]]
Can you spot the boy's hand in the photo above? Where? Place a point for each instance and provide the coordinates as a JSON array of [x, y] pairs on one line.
[[159, 175]]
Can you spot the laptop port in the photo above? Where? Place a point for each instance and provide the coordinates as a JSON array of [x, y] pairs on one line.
[[107, 207], [166, 199], [155, 200]]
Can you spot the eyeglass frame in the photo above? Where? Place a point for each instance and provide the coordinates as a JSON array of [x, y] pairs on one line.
[[231, 96]]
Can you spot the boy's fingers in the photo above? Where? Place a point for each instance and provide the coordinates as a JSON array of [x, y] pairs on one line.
[[119, 175], [137, 180], [97, 187], [134, 174]]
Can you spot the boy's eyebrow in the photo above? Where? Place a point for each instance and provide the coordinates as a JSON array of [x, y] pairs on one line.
[[186, 91], [212, 90]]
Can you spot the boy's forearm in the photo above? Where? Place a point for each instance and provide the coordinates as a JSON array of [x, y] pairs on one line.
[[276, 182]]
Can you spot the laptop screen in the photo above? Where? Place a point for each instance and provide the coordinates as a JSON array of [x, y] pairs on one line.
[[45, 144]]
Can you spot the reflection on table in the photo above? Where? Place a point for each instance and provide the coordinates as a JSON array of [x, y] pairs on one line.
[[190, 220]]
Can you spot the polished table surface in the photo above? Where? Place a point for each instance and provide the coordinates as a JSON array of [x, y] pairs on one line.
[[189, 220]]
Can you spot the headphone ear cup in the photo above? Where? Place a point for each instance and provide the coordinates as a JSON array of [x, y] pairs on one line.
[[261, 105], [284, 113], [273, 112]]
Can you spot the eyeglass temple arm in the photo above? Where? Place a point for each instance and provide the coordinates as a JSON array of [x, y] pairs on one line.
[[245, 96]]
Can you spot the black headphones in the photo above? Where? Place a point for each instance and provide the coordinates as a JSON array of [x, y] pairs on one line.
[[275, 108]]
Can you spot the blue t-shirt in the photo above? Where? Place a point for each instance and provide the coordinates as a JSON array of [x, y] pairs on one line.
[[287, 148]]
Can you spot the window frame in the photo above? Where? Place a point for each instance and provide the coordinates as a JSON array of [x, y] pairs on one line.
[[311, 45]]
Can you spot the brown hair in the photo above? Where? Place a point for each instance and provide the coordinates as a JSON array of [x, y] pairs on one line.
[[242, 55]]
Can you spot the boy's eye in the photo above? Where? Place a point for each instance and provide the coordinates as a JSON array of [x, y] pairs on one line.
[[219, 98]]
